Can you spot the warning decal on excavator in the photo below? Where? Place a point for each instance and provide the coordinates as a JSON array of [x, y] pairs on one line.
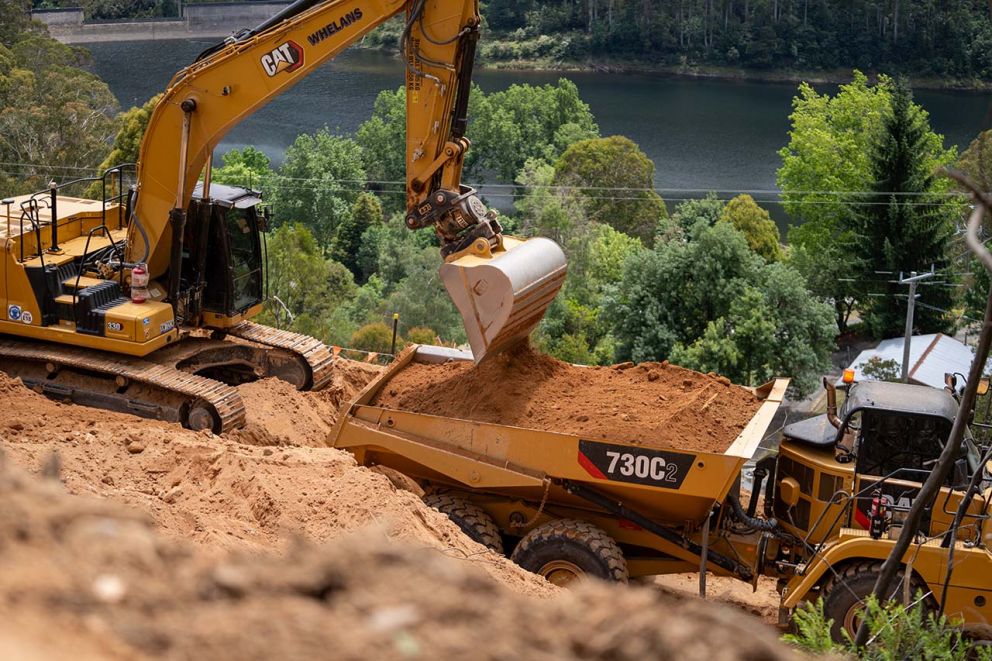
[[623, 463]]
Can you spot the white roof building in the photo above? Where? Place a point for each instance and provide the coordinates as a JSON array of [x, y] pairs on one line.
[[930, 357]]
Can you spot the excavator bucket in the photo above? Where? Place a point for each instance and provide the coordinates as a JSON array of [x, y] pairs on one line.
[[503, 294]]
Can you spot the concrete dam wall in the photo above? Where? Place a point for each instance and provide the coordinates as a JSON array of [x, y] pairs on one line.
[[219, 19]]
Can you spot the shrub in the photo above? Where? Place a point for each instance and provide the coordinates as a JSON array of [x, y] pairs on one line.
[[421, 335], [376, 337], [896, 632]]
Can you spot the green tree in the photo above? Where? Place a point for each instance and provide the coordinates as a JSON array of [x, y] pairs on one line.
[[976, 160], [976, 290], [824, 261], [248, 168], [368, 304], [755, 224], [421, 335], [907, 221], [306, 288], [713, 304], [15, 19], [524, 122], [318, 183], [368, 250], [507, 128], [382, 138], [692, 215], [828, 158], [52, 112], [421, 299], [616, 181], [366, 212], [825, 165], [127, 142], [544, 209]]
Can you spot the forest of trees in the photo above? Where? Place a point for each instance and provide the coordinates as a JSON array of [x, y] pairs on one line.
[[925, 37], [932, 38]]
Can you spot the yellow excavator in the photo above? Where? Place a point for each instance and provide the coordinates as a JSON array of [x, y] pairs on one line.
[[140, 301]]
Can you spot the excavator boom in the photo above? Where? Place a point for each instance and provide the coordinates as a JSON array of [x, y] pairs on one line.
[[501, 304], [104, 302]]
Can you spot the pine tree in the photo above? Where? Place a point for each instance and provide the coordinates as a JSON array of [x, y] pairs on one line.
[[904, 222], [366, 211]]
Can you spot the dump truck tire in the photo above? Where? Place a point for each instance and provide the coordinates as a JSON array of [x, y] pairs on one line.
[[565, 550], [471, 518], [845, 592]]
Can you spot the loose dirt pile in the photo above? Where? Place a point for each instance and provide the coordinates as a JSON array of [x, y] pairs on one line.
[[653, 404], [87, 579], [254, 489], [278, 414]]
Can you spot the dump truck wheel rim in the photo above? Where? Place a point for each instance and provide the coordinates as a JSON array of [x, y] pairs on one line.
[[852, 619], [561, 572]]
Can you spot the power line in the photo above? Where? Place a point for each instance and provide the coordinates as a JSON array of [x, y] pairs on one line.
[[521, 192], [579, 188]]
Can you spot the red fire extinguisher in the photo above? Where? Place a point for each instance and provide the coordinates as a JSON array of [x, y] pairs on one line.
[[877, 521], [139, 283]]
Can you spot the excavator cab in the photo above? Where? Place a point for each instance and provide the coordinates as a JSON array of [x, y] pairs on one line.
[[223, 254]]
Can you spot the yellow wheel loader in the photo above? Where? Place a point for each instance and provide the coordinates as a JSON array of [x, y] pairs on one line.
[[821, 514], [140, 301]]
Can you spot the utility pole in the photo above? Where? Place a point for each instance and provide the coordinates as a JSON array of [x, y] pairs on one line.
[[910, 309]]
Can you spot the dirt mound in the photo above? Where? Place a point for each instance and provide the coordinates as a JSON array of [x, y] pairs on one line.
[[111, 587], [654, 404], [225, 494], [278, 414]]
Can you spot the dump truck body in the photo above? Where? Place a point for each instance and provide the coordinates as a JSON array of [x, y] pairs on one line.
[[523, 477]]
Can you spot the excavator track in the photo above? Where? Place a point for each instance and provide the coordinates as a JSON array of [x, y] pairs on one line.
[[309, 349], [123, 383]]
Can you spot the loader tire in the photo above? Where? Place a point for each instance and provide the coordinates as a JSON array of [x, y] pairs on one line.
[[566, 550], [845, 592], [468, 516]]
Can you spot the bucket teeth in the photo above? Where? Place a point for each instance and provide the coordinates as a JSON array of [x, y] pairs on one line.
[[503, 297]]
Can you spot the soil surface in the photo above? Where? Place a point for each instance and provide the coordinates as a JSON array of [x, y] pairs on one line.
[[139, 539], [89, 579], [253, 489], [651, 404]]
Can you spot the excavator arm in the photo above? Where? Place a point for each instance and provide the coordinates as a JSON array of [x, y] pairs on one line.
[[500, 285]]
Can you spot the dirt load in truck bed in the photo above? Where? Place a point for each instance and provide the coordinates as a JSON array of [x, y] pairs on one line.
[[651, 404]]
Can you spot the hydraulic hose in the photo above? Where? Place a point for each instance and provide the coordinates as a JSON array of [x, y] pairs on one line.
[[133, 219], [764, 525]]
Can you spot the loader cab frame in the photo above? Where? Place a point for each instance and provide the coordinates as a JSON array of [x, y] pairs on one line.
[[224, 251], [886, 437]]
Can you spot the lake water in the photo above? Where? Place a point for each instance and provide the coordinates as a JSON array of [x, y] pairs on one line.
[[701, 134]]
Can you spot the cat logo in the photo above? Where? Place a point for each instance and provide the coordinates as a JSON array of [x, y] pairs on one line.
[[287, 57]]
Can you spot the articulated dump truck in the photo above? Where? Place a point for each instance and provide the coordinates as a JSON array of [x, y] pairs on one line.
[[823, 511]]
